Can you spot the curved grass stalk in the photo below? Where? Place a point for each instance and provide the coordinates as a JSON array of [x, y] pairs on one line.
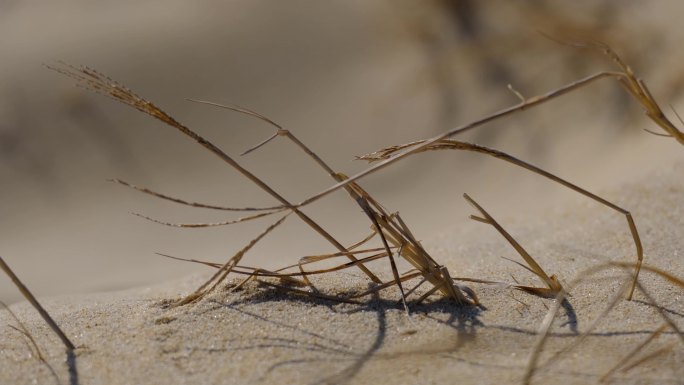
[[194, 204], [213, 224], [448, 144]]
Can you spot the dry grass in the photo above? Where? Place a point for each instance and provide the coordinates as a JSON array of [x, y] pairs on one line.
[[394, 235]]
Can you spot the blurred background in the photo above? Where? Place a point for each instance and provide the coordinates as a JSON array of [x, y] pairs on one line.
[[347, 77]]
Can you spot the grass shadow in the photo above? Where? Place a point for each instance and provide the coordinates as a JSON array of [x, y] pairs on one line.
[[465, 320]]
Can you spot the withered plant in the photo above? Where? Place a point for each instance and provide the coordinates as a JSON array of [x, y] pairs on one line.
[[395, 236]]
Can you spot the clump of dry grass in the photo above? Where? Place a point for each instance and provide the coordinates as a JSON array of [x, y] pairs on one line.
[[389, 227], [395, 236], [634, 86]]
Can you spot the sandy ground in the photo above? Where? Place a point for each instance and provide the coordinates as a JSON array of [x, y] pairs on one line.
[[258, 335]]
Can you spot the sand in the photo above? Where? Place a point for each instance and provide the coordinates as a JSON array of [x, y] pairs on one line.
[[259, 335]]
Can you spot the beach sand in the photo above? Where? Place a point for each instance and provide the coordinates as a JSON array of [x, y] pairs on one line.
[[260, 335]]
